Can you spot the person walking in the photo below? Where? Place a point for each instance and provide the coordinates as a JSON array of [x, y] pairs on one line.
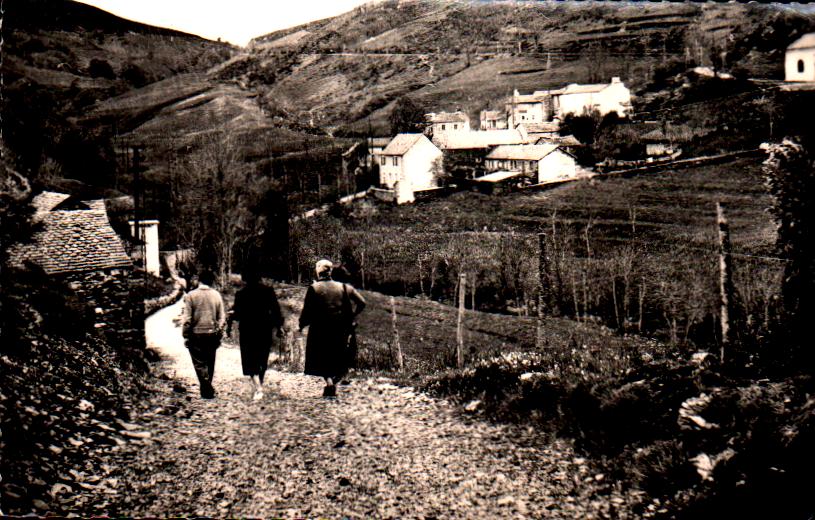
[[329, 310], [202, 324], [259, 318]]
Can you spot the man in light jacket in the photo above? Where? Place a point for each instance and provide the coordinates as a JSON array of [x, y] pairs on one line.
[[203, 323]]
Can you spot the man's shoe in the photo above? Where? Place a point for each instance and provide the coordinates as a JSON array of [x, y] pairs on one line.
[[258, 395], [330, 391]]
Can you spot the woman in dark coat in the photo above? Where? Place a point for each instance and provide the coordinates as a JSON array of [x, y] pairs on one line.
[[329, 310], [258, 312]]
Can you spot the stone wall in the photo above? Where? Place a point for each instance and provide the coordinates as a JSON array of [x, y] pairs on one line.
[[116, 298]]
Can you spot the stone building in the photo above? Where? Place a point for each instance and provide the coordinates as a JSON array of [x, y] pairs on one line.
[[76, 245]]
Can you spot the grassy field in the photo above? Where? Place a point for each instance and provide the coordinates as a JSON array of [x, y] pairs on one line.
[[652, 236], [427, 333]]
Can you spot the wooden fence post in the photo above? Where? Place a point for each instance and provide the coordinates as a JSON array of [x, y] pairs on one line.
[[396, 351], [543, 288], [462, 294], [725, 280]]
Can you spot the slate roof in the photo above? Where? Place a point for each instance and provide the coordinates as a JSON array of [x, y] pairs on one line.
[[539, 96], [71, 241], [477, 139], [48, 200], [400, 144], [525, 152], [380, 142], [806, 41], [541, 128], [447, 117]]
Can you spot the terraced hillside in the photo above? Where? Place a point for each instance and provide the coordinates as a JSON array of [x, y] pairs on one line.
[[471, 55]]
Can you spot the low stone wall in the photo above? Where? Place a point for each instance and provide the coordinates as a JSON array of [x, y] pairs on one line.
[[156, 304], [116, 299]]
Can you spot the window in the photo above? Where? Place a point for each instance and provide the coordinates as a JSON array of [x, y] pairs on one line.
[[455, 127], [395, 161], [442, 127], [382, 160], [800, 65]]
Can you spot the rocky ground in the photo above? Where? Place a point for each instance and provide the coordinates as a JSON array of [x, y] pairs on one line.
[[378, 450]]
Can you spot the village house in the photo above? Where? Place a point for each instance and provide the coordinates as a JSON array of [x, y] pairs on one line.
[[464, 152], [799, 62], [540, 162], [603, 97], [407, 165], [441, 122], [546, 105], [529, 108], [77, 245], [493, 120]]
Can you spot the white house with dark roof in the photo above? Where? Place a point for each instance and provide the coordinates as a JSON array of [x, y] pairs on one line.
[[441, 122], [799, 62], [406, 166], [542, 162]]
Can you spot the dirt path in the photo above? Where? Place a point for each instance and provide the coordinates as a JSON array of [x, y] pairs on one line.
[[377, 451]]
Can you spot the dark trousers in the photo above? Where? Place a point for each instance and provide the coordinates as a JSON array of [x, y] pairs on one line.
[[202, 349]]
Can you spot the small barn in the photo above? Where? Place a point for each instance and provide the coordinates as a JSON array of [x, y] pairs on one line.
[[500, 182], [541, 162]]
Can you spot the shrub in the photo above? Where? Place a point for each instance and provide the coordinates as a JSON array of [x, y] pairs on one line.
[[100, 69]]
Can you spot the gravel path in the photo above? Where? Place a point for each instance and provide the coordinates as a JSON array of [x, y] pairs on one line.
[[377, 451]]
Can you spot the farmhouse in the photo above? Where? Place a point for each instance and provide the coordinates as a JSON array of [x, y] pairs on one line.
[[464, 152], [441, 122], [545, 105], [542, 162], [603, 97], [493, 120], [407, 164], [77, 245], [799, 63]]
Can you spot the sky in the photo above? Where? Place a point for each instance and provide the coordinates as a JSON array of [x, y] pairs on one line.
[[235, 21]]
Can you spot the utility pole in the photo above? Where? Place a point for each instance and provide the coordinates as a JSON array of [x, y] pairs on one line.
[[725, 280], [396, 352], [543, 287], [462, 294]]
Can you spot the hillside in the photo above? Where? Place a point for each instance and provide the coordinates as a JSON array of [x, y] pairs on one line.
[[471, 55], [87, 78], [60, 58]]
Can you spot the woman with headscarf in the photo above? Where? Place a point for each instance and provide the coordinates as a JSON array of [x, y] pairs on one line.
[[329, 310], [259, 318]]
